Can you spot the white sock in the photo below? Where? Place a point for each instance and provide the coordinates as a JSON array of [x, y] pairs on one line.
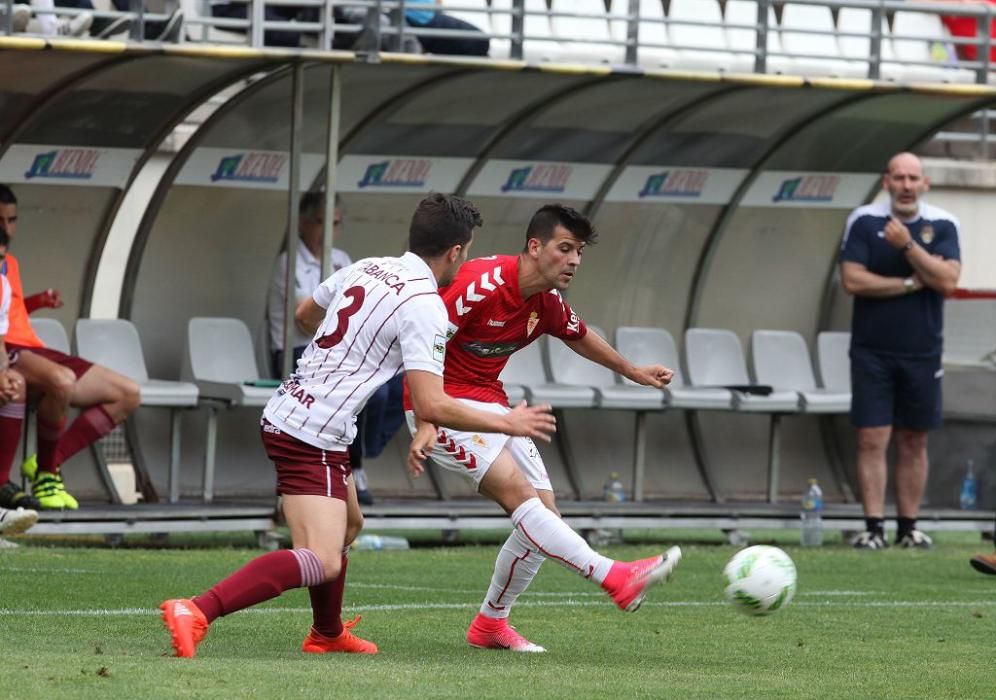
[[516, 567], [554, 539]]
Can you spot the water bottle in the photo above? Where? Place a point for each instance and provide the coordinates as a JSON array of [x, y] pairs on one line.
[[969, 487], [376, 543], [812, 516], [613, 490]]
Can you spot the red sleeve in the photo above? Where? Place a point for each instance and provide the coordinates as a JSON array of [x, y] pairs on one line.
[[565, 324]]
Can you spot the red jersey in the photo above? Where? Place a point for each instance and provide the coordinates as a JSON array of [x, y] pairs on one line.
[[489, 320]]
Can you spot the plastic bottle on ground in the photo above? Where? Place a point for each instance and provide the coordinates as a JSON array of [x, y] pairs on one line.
[[811, 534]]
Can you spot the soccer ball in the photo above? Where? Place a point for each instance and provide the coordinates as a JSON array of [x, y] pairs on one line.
[[761, 580]]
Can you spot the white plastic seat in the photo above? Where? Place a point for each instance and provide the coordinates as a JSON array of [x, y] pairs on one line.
[[927, 29], [715, 357], [523, 370], [744, 12], [833, 350], [815, 18], [781, 359], [221, 361], [593, 30], [115, 344], [690, 39], [52, 333], [651, 30]]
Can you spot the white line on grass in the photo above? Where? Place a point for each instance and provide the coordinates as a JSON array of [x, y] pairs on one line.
[[52, 571], [478, 591], [566, 603]]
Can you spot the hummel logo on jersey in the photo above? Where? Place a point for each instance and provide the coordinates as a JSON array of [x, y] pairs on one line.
[[471, 294], [496, 324]]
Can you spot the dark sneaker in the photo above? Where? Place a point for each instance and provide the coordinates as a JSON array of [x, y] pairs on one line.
[[13, 497], [869, 540], [914, 539]]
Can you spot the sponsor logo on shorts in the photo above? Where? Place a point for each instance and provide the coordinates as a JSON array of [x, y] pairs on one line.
[[478, 440]]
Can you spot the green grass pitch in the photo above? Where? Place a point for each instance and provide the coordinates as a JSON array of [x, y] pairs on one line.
[[81, 622]]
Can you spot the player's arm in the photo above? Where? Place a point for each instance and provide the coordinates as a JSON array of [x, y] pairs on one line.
[[595, 348], [860, 281], [311, 311], [49, 299], [433, 405]]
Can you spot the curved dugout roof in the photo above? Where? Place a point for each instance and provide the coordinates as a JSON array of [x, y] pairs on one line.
[[673, 165]]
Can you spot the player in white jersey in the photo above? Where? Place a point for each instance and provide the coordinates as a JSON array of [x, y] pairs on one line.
[[14, 518], [374, 319]]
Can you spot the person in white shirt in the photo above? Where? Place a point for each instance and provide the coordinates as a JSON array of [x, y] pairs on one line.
[[372, 320]]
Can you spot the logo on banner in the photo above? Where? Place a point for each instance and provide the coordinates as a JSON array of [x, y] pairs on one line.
[[65, 163], [808, 188], [250, 167], [538, 178], [398, 172], [675, 183]]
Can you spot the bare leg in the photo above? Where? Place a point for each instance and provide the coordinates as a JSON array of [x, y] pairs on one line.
[[872, 472], [911, 471]]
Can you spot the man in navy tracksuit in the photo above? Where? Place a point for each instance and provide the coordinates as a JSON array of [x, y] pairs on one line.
[[898, 258]]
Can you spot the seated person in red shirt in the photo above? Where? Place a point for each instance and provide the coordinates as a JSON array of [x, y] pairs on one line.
[[105, 398]]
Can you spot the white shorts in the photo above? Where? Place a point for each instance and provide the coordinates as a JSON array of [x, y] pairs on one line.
[[471, 454]]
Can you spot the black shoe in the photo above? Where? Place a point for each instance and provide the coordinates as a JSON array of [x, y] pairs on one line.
[[13, 496], [171, 32], [364, 497], [869, 540], [116, 26]]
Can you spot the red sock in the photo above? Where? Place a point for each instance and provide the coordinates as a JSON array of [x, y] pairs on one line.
[[91, 425], [11, 420], [326, 604], [261, 579], [48, 441]]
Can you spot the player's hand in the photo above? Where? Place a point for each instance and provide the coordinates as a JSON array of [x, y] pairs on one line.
[[422, 442], [10, 385], [657, 376], [535, 422], [896, 233]]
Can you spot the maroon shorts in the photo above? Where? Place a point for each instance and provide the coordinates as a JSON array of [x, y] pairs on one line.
[[78, 365], [303, 469]]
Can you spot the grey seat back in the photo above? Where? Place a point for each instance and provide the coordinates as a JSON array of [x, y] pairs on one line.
[[648, 346], [113, 343], [781, 359], [525, 366], [52, 333], [220, 350], [714, 357], [567, 367], [833, 348]]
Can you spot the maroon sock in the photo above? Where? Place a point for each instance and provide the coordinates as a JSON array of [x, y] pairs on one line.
[[11, 420], [261, 579], [48, 442], [91, 425], [326, 604]]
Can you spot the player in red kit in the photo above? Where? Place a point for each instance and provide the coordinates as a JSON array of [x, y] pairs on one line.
[[496, 306]]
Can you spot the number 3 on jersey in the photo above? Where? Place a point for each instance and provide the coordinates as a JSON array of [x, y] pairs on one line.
[[356, 295]]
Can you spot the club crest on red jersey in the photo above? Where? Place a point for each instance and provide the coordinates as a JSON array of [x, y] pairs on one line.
[[531, 323]]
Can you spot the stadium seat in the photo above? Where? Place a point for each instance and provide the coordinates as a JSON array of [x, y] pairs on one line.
[[114, 343], [52, 333], [857, 49], [583, 38], [693, 42], [833, 350], [781, 359], [742, 41], [715, 358], [654, 50], [538, 43], [221, 361], [914, 34], [824, 53]]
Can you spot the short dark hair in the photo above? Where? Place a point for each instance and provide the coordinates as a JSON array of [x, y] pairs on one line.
[[440, 222], [7, 195], [549, 216], [312, 203], [4, 237]]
